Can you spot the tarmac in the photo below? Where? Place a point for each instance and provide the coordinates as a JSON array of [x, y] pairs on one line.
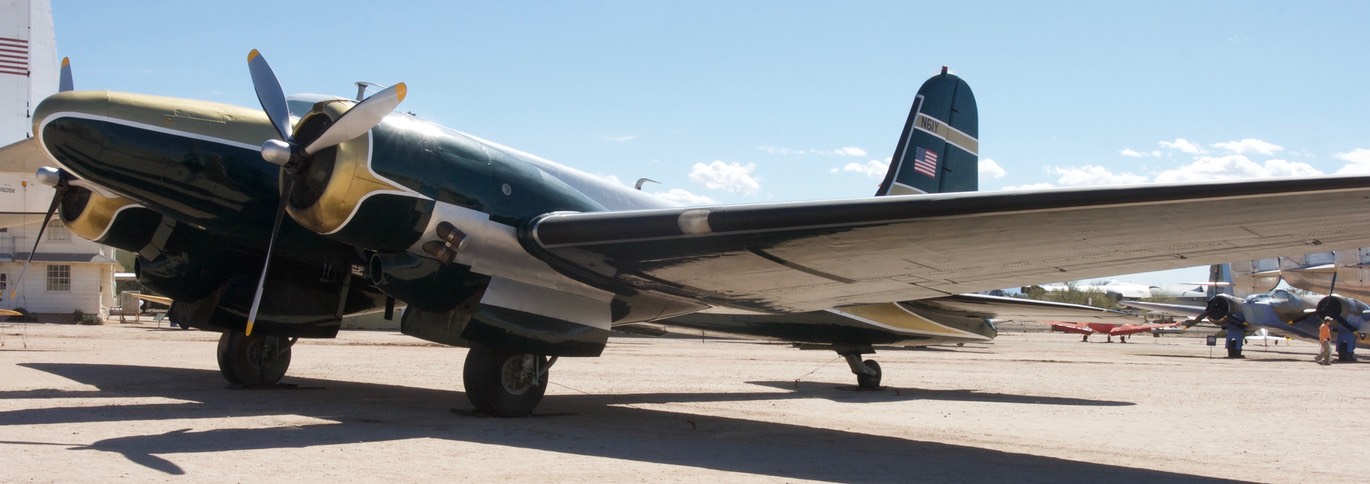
[[141, 402]]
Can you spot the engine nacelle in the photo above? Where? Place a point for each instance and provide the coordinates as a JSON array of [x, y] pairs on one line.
[[339, 195], [427, 284], [1223, 305], [1343, 309], [114, 221]]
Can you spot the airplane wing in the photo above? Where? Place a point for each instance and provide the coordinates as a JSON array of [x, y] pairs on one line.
[[1077, 328], [789, 257], [154, 299], [1024, 310], [1138, 328], [1176, 309]]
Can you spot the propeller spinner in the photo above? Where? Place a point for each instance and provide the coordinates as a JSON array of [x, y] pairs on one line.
[[293, 158]]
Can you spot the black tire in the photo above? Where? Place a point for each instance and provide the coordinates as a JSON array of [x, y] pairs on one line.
[[497, 384], [869, 381], [253, 360]]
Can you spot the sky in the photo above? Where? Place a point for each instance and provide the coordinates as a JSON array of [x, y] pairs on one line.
[[755, 101]]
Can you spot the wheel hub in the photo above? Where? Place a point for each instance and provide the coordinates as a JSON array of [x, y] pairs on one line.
[[518, 374]]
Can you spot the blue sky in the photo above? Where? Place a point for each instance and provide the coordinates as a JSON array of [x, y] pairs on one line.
[[739, 102]]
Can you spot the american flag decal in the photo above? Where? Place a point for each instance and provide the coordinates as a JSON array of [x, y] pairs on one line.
[[925, 162], [14, 56]]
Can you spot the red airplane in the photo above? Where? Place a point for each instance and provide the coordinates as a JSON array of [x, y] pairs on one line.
[[1110, 329]]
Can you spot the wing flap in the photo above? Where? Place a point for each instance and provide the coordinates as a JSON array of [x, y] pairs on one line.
[[805, 256]]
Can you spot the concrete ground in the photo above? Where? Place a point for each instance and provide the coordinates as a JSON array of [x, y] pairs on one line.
[[143, 403]]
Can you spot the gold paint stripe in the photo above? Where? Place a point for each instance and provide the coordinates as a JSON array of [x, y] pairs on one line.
[[891, 315]]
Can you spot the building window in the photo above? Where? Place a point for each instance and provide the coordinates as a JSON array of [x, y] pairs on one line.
[[58, 232], [59, 278], [4, 284]]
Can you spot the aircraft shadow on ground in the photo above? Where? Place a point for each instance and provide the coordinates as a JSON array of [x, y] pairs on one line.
[[1300, 359], [848, 393], [590, 425]]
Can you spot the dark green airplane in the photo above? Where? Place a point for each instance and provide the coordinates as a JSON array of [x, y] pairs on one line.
[[269, 229]]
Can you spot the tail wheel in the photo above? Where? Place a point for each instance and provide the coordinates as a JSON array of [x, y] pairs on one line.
[[871, 380], [503, 382], [255, 360]]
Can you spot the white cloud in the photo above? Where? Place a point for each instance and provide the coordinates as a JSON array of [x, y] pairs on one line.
[[843, 151], [1093, 175], [776, 150], [1182, 145], [1357, 162], [733, 177], [871, 169], [684, 197], [1131, 153], [988, 168], [620, 139], [1249, 145], [849, 151], [1032, 186], [1233, 167]]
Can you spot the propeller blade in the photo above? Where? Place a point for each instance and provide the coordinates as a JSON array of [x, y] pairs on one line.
[[56, 200], [270, 248], [360, 119], [1197, 319], [65, 83], [269, 93]]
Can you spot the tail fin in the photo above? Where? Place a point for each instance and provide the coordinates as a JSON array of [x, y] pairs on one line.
[[1219, 280], [939, 148]]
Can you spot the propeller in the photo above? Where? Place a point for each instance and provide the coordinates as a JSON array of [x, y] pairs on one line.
[[58, 180], [1216, 305], [294, 159]]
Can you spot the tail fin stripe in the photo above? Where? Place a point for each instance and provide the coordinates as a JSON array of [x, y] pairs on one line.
[[953, 136]]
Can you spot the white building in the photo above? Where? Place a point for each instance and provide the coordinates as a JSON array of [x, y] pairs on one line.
[[68, 273]]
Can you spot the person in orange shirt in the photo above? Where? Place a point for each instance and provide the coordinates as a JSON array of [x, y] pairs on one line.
[[1325, 340]]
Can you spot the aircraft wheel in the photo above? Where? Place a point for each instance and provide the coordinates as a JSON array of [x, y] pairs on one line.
[[503, 382], [869, 381], [253, 360]]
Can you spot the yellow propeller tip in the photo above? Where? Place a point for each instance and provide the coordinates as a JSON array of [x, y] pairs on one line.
[[253, 55], [401, 90], [66, 62]]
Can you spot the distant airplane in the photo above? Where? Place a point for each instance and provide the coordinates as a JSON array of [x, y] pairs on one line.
[[1283, 311], [1108, 329], [1113, 288], [267, 231], [1310, 272], [1263, 335]]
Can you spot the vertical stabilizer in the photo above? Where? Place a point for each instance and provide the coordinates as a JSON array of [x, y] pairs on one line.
[[28, 64], [939, 148], [1219, 280]]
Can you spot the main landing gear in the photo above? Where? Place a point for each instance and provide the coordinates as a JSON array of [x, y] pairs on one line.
[[255, 360], [505, 383]]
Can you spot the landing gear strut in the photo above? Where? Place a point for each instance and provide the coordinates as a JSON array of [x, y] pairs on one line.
[[255, 360], [867, 372], [505, 383]]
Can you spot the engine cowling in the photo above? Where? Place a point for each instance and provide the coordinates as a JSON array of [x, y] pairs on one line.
[[1343, 309], [113, 221], [339, 195]]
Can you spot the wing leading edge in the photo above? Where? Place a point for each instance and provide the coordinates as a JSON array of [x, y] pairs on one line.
[[806, 256]]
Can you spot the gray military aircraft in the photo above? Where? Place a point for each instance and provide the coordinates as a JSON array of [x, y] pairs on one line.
[[268, 230], [1283, 311]]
